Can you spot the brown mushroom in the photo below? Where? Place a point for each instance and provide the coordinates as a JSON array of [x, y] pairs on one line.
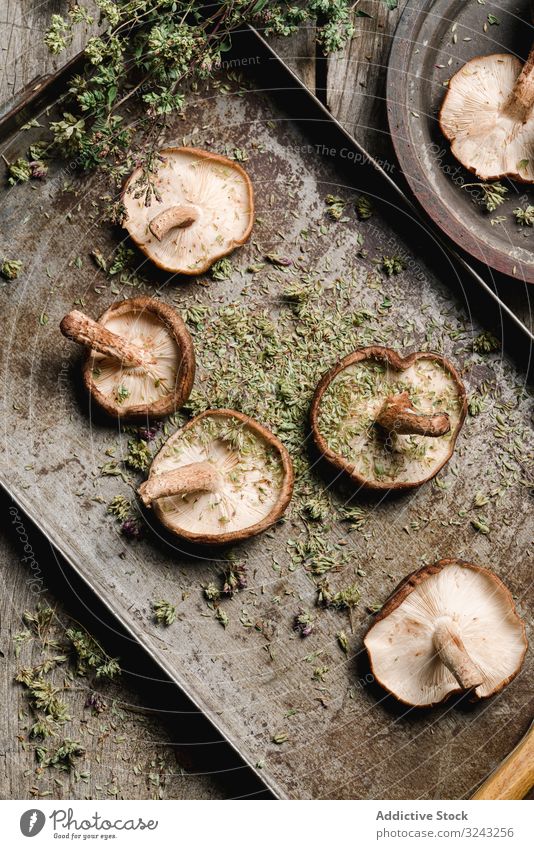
[[389, 422], [488, 118], [140, 361], [448, 628], [202, 208], [221, 478]]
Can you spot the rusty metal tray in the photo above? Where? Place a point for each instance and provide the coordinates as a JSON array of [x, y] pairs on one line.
[[344, 738], [433, 39]]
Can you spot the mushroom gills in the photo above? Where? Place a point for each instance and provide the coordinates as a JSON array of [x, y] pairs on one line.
[[202, 208], [450, 627], [384, 422], [217, 476], [488, 117]]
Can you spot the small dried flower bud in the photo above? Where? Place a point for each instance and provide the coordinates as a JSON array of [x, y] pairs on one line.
[[303, 623], [131, 529], [39, 169]]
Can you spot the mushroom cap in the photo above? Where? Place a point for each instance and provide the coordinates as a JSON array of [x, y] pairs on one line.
[[216, 188], [256, 478], [400, 647], [349, 397], [159, 330], [490, 134]]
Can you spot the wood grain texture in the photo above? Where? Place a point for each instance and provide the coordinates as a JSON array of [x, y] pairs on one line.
[[24, 57], [130, 753], [515, 776], [355, 79]]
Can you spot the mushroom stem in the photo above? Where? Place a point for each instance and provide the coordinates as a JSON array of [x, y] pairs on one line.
[[175, 216], [195, 477], [453, 654], [398, 415], [523, 92], [82, 329]]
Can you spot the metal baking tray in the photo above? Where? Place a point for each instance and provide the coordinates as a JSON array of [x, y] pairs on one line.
[[345, 739], [433, 40]]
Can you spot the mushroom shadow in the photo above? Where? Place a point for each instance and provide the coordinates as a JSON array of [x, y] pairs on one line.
[[407, 713]]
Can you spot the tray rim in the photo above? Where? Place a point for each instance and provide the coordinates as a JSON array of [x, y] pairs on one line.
[[396, 79], [58, 544]]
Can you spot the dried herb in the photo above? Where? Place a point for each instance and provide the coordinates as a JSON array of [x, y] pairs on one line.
[[475, 405], [164, 612], [344, 599], [393, 265], [153, 50], [90, 656], [10, 269], [122, 393], [335, 206], [364, 205], [234, 580], [222, 269], [221, 617], [481, 525], [96, 702], [343, 641], [64, 758], [280, 737], [211, 592], [132, 529], [120, 507], [303, 623], [18, 171], [491, 194], [139, 456], [320, 673], [486, 343], [525, 216]]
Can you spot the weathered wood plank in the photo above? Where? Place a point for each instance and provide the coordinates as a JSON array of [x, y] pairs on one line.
[[129, 752], [24, 57], [356, 77]]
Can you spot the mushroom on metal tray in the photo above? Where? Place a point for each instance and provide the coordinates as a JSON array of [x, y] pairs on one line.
[[202, 207], [389, 422], [448, 628], [222, 478], [140, 360]]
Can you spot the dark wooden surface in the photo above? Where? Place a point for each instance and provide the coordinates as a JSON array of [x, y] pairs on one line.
[[361, 108]]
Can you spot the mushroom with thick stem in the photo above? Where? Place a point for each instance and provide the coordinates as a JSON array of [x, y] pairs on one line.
[[398, 415], [448, 628], [389, 422], [488, 118], [202, 208], [140, 361], [221, 478]]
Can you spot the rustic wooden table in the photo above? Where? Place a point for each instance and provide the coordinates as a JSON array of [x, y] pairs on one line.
[[134, 750]]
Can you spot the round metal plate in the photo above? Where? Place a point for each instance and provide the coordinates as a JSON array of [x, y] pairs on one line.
[[433, 40]]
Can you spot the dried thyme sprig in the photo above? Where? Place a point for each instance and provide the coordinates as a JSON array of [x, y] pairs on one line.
[[90, 655], [10, 269], [164, 612], [492, 194], [525, 216], [153, 50], [303, 623]]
